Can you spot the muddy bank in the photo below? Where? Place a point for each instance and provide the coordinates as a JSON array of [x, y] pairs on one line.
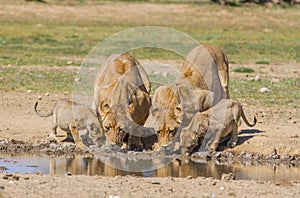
[[48, 147]]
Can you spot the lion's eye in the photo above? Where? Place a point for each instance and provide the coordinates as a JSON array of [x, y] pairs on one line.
[[157, 131], [172, 132], [106, 128], [120, 130]]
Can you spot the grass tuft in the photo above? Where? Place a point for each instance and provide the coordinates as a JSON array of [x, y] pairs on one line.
[[243, 70]]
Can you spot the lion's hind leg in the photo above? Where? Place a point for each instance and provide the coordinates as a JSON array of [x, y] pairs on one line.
[[53, 132], [234, 135]]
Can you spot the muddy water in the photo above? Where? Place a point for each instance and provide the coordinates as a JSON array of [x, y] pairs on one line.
[[79, 165]]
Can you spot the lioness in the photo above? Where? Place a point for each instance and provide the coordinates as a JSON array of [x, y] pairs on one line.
[[80, 123], [209, 127], [122, 100], [172, 106], [203, 82], [206, 67]]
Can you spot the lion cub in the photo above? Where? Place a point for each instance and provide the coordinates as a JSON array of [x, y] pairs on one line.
[[80, 123], [208, 128]]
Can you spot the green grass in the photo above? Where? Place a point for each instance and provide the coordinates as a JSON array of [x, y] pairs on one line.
[[262, 62], [22, 80], [243, 70], [53, 80], [286, 92], [246, 35], [158, 80]]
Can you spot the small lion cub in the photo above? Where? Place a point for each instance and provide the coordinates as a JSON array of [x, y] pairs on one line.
[[80, 123], [208, 128]]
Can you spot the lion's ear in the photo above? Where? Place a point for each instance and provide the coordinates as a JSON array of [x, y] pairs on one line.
[[178, 111], [154, 109], [104, 107]]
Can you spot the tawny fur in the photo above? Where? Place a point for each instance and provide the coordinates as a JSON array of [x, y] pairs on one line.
[[122, 100], [208, 128], [79, 122]]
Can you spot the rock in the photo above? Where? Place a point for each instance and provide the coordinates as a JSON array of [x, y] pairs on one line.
[[267, 30], [40, 76], [155, 182], [113, 196], [69, 62], [189, 177], [47, 94], [227, 177], [264, 90], [205, 195], [231, 193], [292, 121], [165, 74], [257, 78], [39, 97], [77, 79], [274, 80], [29, 91]]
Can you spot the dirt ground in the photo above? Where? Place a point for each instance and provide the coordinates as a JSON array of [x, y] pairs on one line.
[[277, 129]]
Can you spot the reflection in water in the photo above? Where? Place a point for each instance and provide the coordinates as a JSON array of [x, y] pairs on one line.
[[79, 165]]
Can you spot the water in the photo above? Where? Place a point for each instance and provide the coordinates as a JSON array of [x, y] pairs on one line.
[[79, 165]]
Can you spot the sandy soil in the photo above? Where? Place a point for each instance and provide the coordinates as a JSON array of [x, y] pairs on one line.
[[32, 185], [277, 129]]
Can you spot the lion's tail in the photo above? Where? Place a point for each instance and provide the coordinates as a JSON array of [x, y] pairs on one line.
[[246, 121], [42, 115]]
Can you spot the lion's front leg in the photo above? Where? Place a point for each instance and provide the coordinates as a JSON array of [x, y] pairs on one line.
[[75, 134]]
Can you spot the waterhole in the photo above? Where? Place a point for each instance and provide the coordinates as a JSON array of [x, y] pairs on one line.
[[79, 165]]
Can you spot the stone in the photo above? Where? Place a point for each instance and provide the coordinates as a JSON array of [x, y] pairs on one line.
[[77, 79], [264, 90]]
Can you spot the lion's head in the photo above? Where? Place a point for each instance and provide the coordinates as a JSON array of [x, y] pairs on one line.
[[165, 115]]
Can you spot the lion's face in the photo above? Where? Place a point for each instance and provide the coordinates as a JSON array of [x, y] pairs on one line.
[[165, 115], [113, 131], [191, 137]]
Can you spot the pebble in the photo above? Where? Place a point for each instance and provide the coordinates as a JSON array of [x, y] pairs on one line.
[[165, 74], [231, 193], [69, 62], [227, 177], [155, 182], [113, 196], [47, 94], [274, 80], [222, 188], [264, 90], [29, 91], [292, 121], [257, 78], [77, 79], [39, 97], [189, 177], [205, 195]]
